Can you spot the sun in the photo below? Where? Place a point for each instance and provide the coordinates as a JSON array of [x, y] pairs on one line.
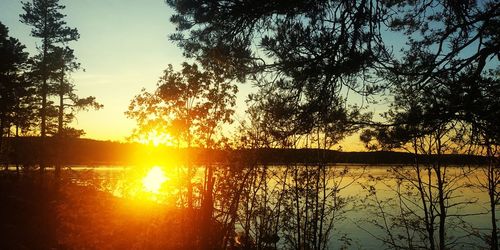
[[154, 179]]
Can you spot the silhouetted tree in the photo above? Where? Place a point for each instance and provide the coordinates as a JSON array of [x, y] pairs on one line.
[[62, 63], [310, 193], [14, 89], [320, 45], [434, 119], [251, 133], [449, 48], [48, 24], [477, 99], [191, 105], [446, 38]]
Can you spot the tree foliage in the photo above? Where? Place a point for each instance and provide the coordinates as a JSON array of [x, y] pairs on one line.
[[47, 22], [64, 62], [191, 105], [14, 89], [309, 45]]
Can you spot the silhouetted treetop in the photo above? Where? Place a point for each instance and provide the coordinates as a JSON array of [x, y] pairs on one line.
[[311, 40], [12, 51], [14, 89], [47, 21], [190, 105], [447, 37], [304, 40], [62, 62], [305, 56]]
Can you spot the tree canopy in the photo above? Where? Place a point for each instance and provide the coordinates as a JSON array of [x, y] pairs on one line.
[[13, 87], [191, 105]]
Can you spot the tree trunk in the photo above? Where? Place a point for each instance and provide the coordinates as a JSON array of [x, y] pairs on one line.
[[43, 113], [442, 206], [494, 230], [207, 210], [492, 185], [428, 223], [60, 123], [2, 121], [442, 209], [1, 132], [297, 207], [17, 156], [43, 126], [61, 105]]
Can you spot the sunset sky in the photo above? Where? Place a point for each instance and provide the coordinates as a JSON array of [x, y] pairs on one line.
[[123, 48]]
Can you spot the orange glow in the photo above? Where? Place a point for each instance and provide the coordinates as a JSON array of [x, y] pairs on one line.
[[156, 138], [154, 180]]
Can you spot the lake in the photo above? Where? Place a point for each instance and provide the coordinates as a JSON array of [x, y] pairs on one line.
[[353, 206]]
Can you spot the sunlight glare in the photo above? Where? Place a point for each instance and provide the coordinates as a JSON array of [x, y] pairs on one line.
[[154, 179], [156, 138]]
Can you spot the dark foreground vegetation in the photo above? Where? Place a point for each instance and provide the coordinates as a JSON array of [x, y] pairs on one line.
[[42, 215]]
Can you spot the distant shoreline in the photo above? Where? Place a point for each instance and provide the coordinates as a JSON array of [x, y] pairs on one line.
[[29, 150]]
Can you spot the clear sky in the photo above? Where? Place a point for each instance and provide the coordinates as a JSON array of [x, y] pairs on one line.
[[123, 48]]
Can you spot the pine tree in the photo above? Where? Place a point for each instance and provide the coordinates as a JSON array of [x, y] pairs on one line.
[[13, 89], [48, 24]]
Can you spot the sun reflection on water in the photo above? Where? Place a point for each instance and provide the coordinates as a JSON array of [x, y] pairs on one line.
[[165, 184], [154, 180]]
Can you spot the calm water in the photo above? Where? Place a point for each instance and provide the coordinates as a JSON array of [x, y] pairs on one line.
[[359, 197]]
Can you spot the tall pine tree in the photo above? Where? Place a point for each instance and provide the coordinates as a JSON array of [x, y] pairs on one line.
[[48, 24]]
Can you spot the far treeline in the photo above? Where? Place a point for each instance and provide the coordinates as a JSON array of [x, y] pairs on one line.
[[76, 151]]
